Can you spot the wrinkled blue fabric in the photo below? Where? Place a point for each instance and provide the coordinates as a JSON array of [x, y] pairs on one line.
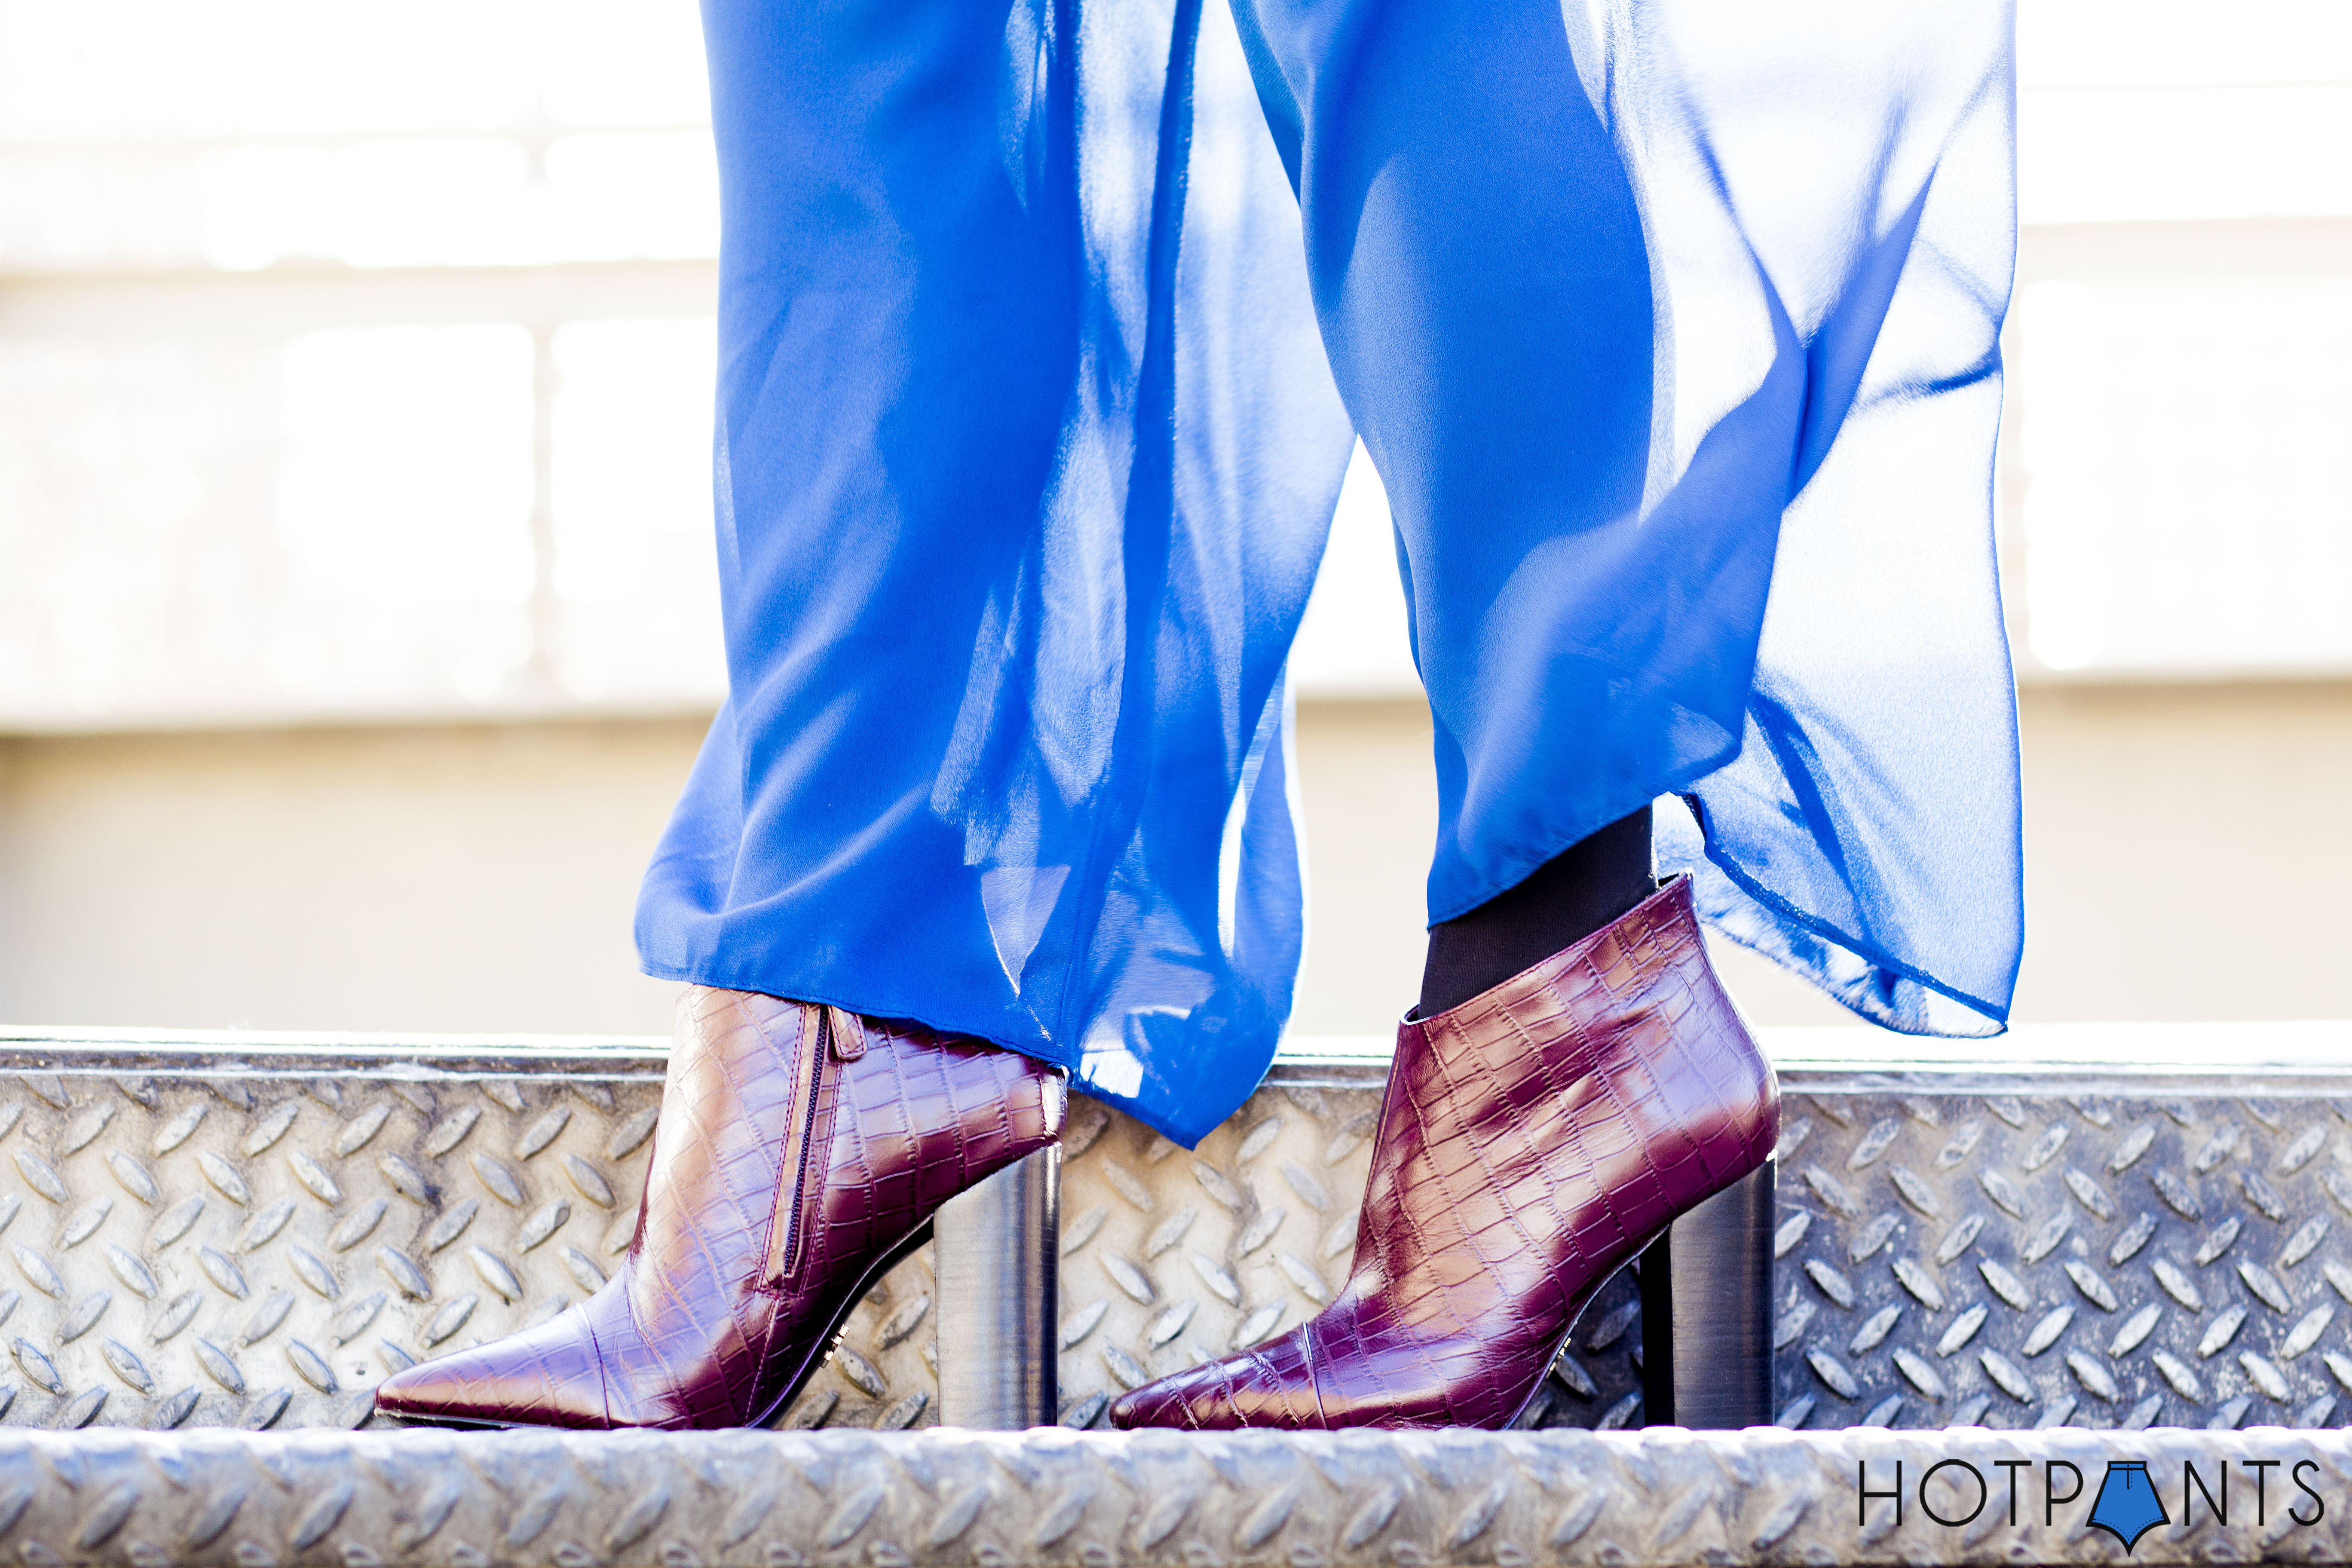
[[1047, 329]]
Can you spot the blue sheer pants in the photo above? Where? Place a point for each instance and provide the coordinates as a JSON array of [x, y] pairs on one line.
[[1047, 329]]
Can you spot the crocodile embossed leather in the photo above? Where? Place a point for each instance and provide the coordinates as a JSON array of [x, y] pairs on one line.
[[801, 1152], [1532, 1141]]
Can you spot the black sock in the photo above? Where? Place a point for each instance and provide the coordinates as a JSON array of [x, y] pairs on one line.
[[1569, 897]]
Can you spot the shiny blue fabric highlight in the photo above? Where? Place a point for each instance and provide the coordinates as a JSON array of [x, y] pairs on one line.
[[1046, 332]]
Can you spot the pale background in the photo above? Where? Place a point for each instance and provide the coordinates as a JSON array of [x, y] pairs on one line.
[[356, 612]]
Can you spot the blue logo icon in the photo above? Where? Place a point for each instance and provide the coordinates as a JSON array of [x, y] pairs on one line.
[[2128, 1507]]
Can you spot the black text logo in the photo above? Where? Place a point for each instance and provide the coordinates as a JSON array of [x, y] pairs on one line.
[[2129, 1501]]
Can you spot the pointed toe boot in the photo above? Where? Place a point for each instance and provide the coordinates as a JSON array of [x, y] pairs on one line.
[[801, 1152], [1532, 1141]]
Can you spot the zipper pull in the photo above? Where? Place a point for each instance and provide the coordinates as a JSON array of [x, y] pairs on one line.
[[848, 1032]]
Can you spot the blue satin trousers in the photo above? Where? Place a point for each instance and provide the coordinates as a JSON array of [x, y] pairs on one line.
[[1047, 329]]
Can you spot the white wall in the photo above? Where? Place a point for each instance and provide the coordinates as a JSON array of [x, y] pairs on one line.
[[447, 879], [2185, 857], [2184, 852]]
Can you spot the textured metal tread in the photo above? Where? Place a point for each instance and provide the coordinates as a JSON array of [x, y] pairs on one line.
[[194, 1239], [2075, 1258], [786, 1500]]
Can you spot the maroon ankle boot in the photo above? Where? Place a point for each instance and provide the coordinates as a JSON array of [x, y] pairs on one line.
[[801, 1152], [1532, 1141]]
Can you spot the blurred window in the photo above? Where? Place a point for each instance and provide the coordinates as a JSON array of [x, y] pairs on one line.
[[356, 360], [2176, 484], [2187, 475]]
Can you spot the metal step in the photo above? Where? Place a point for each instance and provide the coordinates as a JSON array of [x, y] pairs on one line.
[[949, 1498], [248, 1231]]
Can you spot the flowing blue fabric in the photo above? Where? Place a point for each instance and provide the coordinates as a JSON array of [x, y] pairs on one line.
[[1046, 328]]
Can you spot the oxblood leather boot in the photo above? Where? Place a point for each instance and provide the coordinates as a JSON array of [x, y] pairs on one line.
[[801, 1152], [1531, 1141]]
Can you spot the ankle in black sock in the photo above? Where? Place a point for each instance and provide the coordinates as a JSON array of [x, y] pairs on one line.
[[1566, 899]]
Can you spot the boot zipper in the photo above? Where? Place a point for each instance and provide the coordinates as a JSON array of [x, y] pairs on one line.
[[778, 1273]]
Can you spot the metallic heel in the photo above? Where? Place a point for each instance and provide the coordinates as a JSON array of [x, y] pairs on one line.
[[1707, 1312], [998, 1247]]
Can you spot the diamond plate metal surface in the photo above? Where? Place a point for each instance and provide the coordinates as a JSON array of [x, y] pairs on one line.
[[200, 1243], [193, 1240], [256, 1249], [2097, 1255], [969, 1500]]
